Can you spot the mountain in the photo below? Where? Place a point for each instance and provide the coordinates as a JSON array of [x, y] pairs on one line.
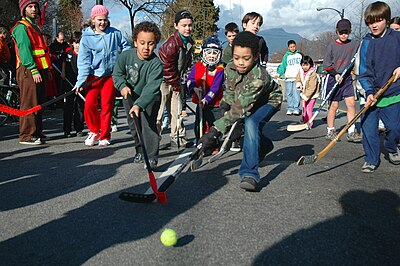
[[276, 38]]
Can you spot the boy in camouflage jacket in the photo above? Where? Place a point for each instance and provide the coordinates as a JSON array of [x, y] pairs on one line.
[[250, 94]]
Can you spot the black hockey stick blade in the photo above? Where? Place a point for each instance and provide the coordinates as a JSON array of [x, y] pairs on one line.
[[196, 163], [307, 159], [147, 198], [165, 180]]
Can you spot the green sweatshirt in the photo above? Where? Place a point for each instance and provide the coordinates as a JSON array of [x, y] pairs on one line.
[[20, 35], [143, 77]]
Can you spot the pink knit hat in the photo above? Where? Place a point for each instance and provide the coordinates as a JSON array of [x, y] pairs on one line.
[[24, 3], [98, 10]]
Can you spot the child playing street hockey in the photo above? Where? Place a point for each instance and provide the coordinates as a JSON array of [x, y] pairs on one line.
[[252, 22], [379, 59], [250, 94], [205, 80], [98, 51], [231, 30], [288, 70], [137, 74], [338, 55], [307, 81]]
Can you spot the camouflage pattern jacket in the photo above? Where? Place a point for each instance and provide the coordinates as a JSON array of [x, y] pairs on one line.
[[246, 93]]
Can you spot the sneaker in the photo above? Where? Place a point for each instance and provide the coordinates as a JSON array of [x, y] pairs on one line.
[[236, 146], [91, 139], [394, 158], [289, 112], [248, 183], [79, 134], [138, 158], [32, 141], [114, 128], [354, 137], [368, 168], [296, 112], [104, 142], [153, 164], [331, 135]]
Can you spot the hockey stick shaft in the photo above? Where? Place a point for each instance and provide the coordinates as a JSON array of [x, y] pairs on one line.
[[161, 196], [222, 150], [69, 82], [17, 112], [326, 99], [314, 158]]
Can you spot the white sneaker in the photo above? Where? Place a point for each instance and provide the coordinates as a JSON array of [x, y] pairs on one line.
[[114, 128], [91, 139], [104, 142], [289, 112], [296, 112]]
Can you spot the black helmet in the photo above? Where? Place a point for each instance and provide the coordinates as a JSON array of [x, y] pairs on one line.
[[211, 51]]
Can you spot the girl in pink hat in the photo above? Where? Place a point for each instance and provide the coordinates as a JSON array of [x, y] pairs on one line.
[[99, 47]]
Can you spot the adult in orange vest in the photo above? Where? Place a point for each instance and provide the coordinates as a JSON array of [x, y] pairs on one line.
[[33, 63]]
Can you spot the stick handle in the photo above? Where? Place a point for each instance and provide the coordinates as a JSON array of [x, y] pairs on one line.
[[377, 95]]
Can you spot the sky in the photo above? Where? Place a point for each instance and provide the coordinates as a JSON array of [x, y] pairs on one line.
[[294, 16]]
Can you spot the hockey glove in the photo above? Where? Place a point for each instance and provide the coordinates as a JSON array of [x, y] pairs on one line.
[[210, 140]]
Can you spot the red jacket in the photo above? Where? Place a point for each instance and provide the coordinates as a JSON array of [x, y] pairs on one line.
[[176, 59]]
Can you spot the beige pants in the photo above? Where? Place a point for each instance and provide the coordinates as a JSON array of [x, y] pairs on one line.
[[171, 100]]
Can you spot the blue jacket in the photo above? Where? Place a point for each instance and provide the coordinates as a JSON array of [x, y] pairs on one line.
[[98, 52], [379, 57]]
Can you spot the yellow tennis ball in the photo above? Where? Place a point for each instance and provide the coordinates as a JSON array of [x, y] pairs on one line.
[[169, 237]]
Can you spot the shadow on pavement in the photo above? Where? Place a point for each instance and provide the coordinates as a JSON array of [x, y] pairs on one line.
[[367, 233]]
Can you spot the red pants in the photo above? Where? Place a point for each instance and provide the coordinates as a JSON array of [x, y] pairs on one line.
[[99, 122]]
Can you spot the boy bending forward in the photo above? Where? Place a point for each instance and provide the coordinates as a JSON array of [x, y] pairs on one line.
[[250, 94]]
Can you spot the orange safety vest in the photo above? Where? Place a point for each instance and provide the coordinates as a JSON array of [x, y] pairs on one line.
[[39, 47]]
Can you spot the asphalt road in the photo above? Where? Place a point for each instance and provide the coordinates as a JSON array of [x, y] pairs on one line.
[[59, 204]]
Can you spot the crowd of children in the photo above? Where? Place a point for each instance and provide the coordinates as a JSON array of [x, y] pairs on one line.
[[228, 85]]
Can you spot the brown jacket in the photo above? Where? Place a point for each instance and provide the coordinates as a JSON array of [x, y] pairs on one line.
[[309, 84], [176, 59]]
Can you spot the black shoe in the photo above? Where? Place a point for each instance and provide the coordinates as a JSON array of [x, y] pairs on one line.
[[266, 148], [248, 183], [43, 137], [138, 158], [67, 135], [153, 164]]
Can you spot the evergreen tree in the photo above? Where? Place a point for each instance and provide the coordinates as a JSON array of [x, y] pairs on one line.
[[205, 16]]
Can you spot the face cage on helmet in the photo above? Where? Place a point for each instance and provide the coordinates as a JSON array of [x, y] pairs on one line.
[[212, 61]]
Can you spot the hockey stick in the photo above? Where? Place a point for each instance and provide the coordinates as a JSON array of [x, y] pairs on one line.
[[17, 112], [223, 149], [161, 196], [309, 159], [327, 97], [69, 82], [166, 178], [196, 163]]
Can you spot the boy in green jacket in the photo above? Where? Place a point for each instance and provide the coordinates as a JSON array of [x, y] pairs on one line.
[[250, 94], [137, 74]]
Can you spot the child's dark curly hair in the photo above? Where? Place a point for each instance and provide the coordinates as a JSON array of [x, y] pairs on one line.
[[147, 26], [247, 39]]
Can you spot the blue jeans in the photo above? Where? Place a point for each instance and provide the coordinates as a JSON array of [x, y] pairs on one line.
[[369, 125], [292, 96], [253, 139]]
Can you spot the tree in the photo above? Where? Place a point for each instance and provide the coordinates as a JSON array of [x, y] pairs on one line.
[[70, 16], [205, 16], [151, 9]]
